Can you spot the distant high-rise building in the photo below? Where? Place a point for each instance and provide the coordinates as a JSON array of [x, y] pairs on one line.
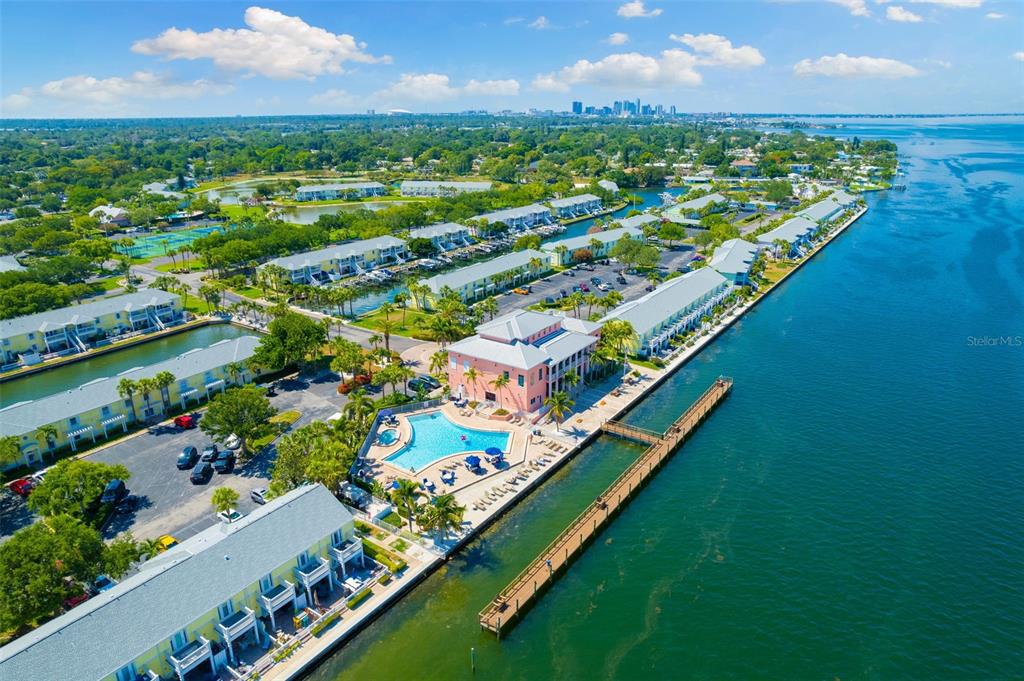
[[577, 107], [590, 110], [617, 108], [636, 108], [672, 110]]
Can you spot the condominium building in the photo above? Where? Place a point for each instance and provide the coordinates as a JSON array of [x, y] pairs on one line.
[[733, 260], [81, 327], [576, 206], [484, 278], [523, 217], [588, 246], [692, 209], [796, 231], [441, 188], [197, 609], [609, 186], [674, 307], [445, 236], [97, 409], [333, 263], [339, 190], [535, 351], [638, 221]]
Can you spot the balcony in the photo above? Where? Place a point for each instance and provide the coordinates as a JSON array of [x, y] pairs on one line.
[[236, 624], [312, 572], [347, 550], [276, 596], [186, 659]]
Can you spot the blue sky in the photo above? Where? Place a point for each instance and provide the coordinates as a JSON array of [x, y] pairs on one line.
[[224, 58]]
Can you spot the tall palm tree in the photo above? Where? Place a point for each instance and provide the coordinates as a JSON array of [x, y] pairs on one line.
[[386, 327], [163, 381], [47, 434], [358, 407], [442, 515], [489, 307], [405, 495], [402, 301], [571, 379], [559, 405], [438, 362], [386, 309], [591, 299], [471, 374], [500, 381], [146, 386], [127, 389]]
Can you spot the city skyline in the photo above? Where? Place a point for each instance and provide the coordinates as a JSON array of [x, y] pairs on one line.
[[228, 58]]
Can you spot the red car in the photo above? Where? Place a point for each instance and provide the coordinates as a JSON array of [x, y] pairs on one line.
[[22, 487], [75, 601], [363, 379], [185, 421]]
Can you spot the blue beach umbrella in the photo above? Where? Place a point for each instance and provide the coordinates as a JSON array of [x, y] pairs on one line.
[[385, 413], [493, 451], [473, 460]]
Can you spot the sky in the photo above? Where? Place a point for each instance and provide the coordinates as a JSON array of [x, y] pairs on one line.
[[209, 58]]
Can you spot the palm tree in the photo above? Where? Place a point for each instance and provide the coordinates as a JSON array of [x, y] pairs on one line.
[[442, 514], [386, 327], [146, 386], [126, 389], [149, 547], [386, 309], [488, 306], [562, 252], [571, 379], [500, 382], [359, 406], [438, 362], [471, 374], [402, 301], [591, 299], [48, 435], [405, 496], [234, 370], [559, 405], [162, 381], [224, 499]]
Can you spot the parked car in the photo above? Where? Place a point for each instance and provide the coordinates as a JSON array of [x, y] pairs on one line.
[[114, 492], [562, 293], [103, 583], [362, 379], [75, 601], [621, 279], [549, 301], [166, 541], [22, 487], [230, 515], [188, 457], [649, 287], [567, 273], [210, 452], [259, 495], [128, 505], [185, 421], [233, 442], [596, 281], [225, 462], [430, 380], [38, 476], [521, 290], [604, 287], [584, 288], [202, 473]]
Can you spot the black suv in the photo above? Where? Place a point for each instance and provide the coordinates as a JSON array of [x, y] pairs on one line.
[[188, 457], [201, 473], [225, 462], [209, 454]]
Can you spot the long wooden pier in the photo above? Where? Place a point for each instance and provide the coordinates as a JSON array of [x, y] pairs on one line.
[[513, 601]]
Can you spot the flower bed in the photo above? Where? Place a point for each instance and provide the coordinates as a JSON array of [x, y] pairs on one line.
[[358, 598]]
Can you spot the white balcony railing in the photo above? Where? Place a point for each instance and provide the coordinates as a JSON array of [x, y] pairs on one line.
[[277, 596], [184, 659], [236, 624], [311, 573], [347, 550]]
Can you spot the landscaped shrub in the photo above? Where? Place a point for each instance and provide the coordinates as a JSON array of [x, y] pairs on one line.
[[324, 622], [358, 598], [383, 556]]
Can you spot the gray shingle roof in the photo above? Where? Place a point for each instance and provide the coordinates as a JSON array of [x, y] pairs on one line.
[[566, 344], [648, 312], [821, 210], [352, 249], [790, 230], [441, 229], [583, 241], [8, 263], [638, 221], [25, 417], [339, 186], [734, 256], [701, 201], [517, 354], [174, 590], [467, 275], [511, 213], [519, 324], [431, 184], [79, 314], [573, 200]]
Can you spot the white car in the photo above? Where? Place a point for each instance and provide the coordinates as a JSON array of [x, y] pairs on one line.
[[604, 287], [231, 515], [233, 442], [259, 495]]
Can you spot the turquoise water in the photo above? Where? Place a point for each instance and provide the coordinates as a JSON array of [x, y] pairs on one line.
[[435, 437], [647, 198], [387, 437], [73, 375], [852, 511]]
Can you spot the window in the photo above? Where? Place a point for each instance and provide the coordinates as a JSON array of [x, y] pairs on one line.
[[337, 536], [452, 363], [105, 411], [179, 640], [506, 374], [266, 582], [302, 559], [225, 609], [521, 380], [126, 673]]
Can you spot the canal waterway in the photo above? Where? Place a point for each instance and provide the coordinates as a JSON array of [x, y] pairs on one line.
[[73, 375], [853, 509]]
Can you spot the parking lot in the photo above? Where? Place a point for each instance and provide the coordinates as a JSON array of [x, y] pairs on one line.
[[552, 286]]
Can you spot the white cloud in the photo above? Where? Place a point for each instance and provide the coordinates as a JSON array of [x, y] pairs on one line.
[[617, 39], [512, 20], [275, 45], [436, 87], [334, 98], [540, 23], [671, 68], [858, 8], [969, 4], [16, 101], [845, 66], [897, 13], [938, 62], [716, 50], [995, 16], [636, 10], [1019, 56]]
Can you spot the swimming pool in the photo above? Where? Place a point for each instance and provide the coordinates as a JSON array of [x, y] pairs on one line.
[[387, 437], [435, 437]]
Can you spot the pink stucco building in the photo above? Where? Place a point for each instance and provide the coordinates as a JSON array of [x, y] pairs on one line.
[[534, 350]]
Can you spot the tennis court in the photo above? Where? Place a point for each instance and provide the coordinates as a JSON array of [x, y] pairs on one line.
[[152, 245]]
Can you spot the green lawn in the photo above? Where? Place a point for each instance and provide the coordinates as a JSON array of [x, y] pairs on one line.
[[249, 292], [776, 269], [193, 266], [279, 424], [416, 324]]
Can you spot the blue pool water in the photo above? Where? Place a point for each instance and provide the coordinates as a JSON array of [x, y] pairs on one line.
[[388, 436], [435, 437]]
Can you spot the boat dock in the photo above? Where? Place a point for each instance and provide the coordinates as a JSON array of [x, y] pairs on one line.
[[509, 605]]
